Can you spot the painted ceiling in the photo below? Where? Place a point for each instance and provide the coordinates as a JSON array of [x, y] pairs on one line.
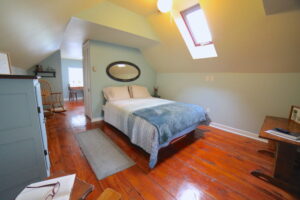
[[31, 30], [246, 39]]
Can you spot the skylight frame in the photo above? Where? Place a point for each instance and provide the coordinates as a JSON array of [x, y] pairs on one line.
[[184, 14]]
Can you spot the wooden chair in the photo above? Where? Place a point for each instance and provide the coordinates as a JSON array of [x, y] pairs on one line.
[[72, 93], [51, 100]]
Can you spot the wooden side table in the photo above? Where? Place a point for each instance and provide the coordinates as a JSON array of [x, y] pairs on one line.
[[80, 189], [285, 173]]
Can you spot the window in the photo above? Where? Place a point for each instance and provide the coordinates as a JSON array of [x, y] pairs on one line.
[[75, 76], [195, 32], [197, 26]]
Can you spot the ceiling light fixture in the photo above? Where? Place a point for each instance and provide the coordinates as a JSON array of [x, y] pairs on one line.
[[164, 5]]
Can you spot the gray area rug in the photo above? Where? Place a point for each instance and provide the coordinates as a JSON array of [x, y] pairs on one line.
[[104, 156]]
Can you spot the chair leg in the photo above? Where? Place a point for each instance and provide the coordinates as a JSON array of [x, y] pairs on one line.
[[52, 108], [62, 106], [59, 98]]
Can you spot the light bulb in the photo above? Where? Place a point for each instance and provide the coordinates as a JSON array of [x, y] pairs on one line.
[[164, 5]]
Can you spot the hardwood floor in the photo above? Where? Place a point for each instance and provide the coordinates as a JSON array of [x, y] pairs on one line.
[[207, 164]]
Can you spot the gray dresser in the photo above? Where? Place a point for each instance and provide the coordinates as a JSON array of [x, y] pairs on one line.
[[23, 140]]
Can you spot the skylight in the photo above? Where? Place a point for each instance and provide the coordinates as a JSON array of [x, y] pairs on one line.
[[194, 29], [196, 23]]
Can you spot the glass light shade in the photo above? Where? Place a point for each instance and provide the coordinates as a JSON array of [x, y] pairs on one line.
[[164, 5]]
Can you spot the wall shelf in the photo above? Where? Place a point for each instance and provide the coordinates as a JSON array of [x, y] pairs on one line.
[[49, 74]]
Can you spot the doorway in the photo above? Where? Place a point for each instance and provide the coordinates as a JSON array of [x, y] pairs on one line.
[[72, 79]]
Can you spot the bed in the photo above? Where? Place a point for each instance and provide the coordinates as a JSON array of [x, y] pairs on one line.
[[152, 123]]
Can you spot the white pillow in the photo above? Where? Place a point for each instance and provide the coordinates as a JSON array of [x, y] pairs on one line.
[[116, 93], [138, 92]]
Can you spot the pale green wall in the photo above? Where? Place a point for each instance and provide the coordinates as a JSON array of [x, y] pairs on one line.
[[101, 55], [238, 100], [53, 61], [65, 64]]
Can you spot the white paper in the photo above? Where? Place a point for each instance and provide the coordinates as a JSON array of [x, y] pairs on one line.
[[64, 192], [283, 135]]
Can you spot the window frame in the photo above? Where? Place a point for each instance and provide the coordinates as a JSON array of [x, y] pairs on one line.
[[184, 14]]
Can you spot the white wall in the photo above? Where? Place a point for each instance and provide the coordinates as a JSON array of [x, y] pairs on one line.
[[238, 100]]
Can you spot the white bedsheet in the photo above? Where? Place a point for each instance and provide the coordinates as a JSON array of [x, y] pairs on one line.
[[143, 134]]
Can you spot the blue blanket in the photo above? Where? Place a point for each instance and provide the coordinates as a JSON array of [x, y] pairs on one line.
[[171, 119]]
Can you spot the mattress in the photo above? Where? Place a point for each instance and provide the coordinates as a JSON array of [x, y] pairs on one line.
[[142, 133], [116, 113]]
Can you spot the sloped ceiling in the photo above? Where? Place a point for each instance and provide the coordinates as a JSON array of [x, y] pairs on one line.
[[142, 7], [33, 29], [106, 22], [79, 31], [114, 16], [246, 39]]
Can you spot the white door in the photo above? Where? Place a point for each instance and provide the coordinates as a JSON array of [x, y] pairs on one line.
[[42, 124], [87, 80]]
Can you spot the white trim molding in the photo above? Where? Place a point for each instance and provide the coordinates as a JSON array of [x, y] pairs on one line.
[[237, 131], [97, 119]]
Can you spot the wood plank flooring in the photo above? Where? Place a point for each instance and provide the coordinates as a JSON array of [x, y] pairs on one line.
[[207, 164]]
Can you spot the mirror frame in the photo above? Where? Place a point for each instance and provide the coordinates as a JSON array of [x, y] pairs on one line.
[[123, 62]]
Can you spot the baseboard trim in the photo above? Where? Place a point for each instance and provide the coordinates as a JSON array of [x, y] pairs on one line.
[[237, 131], [97, 119]]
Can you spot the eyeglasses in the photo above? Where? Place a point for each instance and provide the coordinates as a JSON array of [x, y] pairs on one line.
[[54, 190]]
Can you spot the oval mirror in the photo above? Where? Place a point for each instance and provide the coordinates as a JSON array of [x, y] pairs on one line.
[[123, 71]]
